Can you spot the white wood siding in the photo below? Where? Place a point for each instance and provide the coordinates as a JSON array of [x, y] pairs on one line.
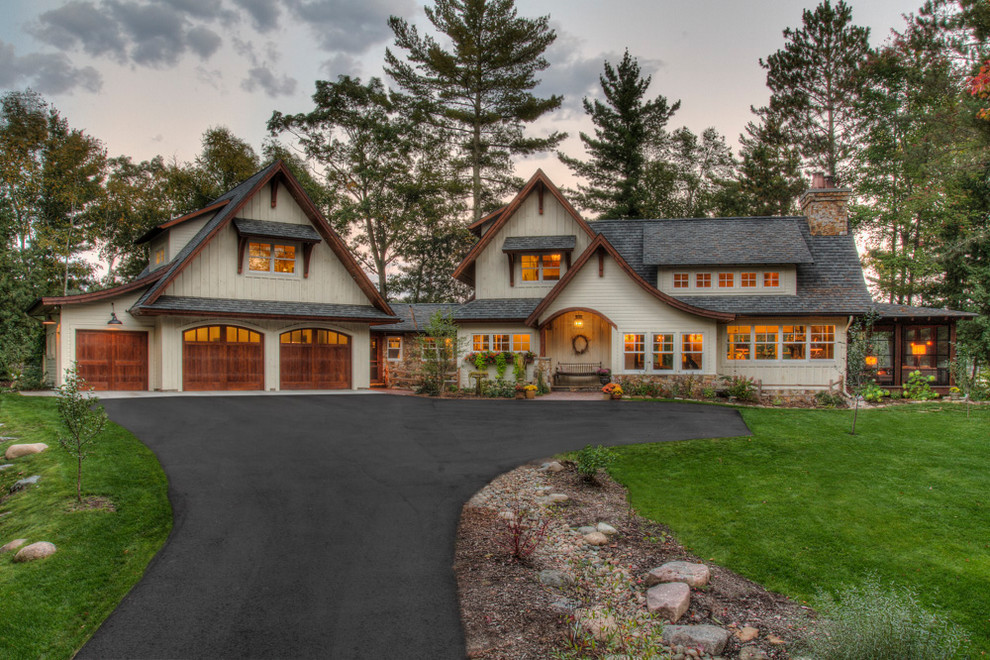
[[492, 266], [788, 281], [633, 310], [560, 335], [181, 234], [787, 374], [465, 335]]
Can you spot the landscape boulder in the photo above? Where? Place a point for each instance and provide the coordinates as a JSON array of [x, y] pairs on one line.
[[598, 624], [693, 575], [710, 639], [607, 529], [13, 545], [669, 600], [38, 550], [559, 579], [595, 538], [16, 451], [21, 484]]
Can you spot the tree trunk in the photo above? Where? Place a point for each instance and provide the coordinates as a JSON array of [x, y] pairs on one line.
[[855, 415], [79, 477]]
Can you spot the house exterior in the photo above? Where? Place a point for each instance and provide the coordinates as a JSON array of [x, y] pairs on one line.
[[253, 292], [256, 291]]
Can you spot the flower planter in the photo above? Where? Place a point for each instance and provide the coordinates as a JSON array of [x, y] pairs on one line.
[[604, 380], [616, 396], [530, 394]]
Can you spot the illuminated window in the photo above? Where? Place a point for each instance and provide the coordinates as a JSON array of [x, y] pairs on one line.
[[703, 280], [222, 333], [520, 343], [822, 342], [681, 280], [739, 337], [393, 349], [747, 280], [765, 342], [691, 351], [771, 280], [480, 343], [271, 258], [663, 351], [159, 256], [500, 343], [726, 280], [792, 342], [494, 342], [540, 267], [634, 352]]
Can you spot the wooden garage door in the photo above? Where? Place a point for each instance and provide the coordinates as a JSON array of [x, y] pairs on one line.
[[113, 359], [314, 359], [222, 357]]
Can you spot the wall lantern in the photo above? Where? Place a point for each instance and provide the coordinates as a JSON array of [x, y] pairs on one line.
[[919, 349], [578, 320], [114, 321], [49, 320], [871, 360]]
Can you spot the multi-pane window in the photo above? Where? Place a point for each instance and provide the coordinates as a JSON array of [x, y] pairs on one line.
[[271, 258], [726, 280], [218, 333], [393, 349], [703, 280], [822, 342], [520, 343], [663, 351], [765, 342], [739, 338], [682, 280], [793, 342], [786, 342], [691, 351], [747, 280], [480, 343], [540, 267], [634, 352], [499, 342], [771, 279], [159, 256]]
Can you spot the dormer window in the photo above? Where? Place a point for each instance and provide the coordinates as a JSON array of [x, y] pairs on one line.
[[265, 257], [771, 279], [540, 267], [159, 257]]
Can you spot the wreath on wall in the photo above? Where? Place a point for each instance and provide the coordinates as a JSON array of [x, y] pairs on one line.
[[579, 344]]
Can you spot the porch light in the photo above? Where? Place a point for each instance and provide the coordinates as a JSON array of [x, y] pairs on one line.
[[871, 360], [919, 349], [49, 321], [114, 321], [578, 320]]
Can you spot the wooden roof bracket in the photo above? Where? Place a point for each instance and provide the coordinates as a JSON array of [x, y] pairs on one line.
[[307, 253], [601, 263], [242, 242], [274, 190], [539, 194], [512, 269]]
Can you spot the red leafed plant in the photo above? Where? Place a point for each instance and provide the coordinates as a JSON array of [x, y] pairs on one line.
[[523, 533], [979, 86]]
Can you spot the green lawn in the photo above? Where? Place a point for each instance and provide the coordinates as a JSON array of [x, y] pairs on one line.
[[803, 505], [50, 607]]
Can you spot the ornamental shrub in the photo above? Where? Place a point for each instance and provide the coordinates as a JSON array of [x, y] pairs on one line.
[[919, 387], [592, 459], [742, 388], [874, 393], [828, 399]]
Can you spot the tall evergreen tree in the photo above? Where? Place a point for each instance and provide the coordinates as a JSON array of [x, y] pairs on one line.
[[770, 169], [625, 124], [687, 175], [813, 82], [481, 87]]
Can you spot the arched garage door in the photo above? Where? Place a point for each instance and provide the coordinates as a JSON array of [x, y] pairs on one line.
[[314, 359], [222, 357]]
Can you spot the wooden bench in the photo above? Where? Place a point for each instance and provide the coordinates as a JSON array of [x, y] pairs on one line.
[[576, 370]]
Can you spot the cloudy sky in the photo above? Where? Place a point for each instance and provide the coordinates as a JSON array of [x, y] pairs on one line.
[[149, 76]]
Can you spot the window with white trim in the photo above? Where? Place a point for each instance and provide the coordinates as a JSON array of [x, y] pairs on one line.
[[793, 342], [682, 280], [520, 343], [670, 352], [393, 349], [703, 280], [663, 351], [765, 342], [747, 280], [739, 337], [726, 280], [822, 342], [770, 343], [271, 257], [540, 267], [634, 352], [771, 280], [492, 342], [692, 351]]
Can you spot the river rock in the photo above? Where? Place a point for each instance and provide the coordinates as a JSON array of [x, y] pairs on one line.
[[710, 639], [16, 451], [693, 575], [607, 529], [595, 538]]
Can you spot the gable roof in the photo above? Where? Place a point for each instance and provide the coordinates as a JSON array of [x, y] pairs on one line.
[[236, 198], [831, 284], [145, 279], [501, 217], [160, 229], [415, 316], [602, 243], [725, 241]]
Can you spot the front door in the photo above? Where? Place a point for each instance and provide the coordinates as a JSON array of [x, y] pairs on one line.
[[376, 361]]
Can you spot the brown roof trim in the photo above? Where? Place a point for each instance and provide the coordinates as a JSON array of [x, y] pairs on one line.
[[151, 311], [568, 310], [601, 243], [491, 216], [538, 178], [103, 294], [331, 237], [151, 233], [517, 319]]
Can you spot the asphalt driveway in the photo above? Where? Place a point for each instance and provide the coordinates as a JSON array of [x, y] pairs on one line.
[[323, 526]]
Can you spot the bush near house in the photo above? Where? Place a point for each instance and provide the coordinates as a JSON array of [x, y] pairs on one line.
[[52, 606]]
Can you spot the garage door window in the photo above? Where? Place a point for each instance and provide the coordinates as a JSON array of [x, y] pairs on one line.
[[215, 333]]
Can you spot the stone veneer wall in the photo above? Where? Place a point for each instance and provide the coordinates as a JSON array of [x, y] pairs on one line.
[[668, 386], [827, 210]]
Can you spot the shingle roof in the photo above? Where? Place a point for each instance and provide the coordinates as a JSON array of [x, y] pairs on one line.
[[262, 308], [832, 284], [266, 229], [496, 309], [724, 241], [415, 316], [889, 310], [539, 243]]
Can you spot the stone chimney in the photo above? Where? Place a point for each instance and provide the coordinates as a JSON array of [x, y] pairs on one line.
[[826, 207]]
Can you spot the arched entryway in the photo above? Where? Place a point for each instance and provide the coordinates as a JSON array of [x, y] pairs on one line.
[[314, 359], [222, 357], [576, 340]]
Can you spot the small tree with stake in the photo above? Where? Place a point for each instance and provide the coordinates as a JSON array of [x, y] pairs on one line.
[[861, 371], [83, 417]]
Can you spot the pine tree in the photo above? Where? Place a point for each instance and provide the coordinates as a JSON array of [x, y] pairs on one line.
[[814, 83], [481, 87], [770, 171], [625, 124]]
